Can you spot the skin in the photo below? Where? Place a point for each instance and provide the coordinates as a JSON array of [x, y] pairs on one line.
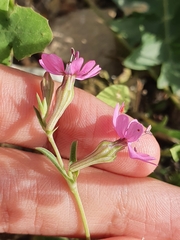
[[120, 201]]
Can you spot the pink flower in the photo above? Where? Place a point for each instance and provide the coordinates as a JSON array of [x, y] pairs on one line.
[[54, 64], [129, 131]]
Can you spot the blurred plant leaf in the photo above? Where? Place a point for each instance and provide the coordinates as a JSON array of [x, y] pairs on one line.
[[166, 133], [147, 6], [160, 38], [175, 179], [170, 75], [175, 152], [145, 56], [115, 94], [127, 28], [4, 5]]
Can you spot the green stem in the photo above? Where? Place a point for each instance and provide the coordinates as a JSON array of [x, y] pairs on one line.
[[74, 190], [53, 144], [72, 185]]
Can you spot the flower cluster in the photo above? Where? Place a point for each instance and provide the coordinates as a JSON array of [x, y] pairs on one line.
[[54, 64], [128, 131]]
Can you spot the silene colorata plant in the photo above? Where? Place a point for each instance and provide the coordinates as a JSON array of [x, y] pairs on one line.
[[51, 106]]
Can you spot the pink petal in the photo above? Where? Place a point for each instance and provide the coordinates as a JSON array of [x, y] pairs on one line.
[[134, 131], [117, 111], [122, 123], [91, 73], [75, 66], [141, 156], [116, 114], [87, 67], [52, 64], [76, 55]]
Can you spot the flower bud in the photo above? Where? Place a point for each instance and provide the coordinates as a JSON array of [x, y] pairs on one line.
[[47, 88], [105, 152], [64, 96]]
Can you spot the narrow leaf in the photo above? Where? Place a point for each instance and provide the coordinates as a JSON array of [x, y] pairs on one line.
[[73, 157], [49, 155], [42, 123]]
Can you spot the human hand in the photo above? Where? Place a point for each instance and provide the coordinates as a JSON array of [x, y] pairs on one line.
[[119, 200]]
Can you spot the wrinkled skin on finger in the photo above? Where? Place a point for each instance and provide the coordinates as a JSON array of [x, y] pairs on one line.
[[36, 200]]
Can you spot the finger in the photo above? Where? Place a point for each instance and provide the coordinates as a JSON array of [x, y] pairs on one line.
[[35, 200], [19, 124], [87, 120]]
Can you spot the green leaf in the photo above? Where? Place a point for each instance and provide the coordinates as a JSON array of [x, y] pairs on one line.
[[4, 5], [73, 156], [5, 36], [175, 152], [31, 32], [127, 28], [115, 94], [170, 76], [73, 159], [42, 123], [50, 156], [147, 55], [160, 40], [7, 61], [23, 31]]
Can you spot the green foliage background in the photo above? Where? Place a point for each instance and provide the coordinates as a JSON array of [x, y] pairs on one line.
[[151, 29]]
